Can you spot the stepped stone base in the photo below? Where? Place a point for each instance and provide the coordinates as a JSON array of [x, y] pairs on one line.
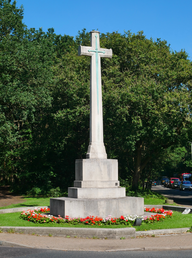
[[87, 193], [96, 173], [96, 183], [65, 206], [96, 192]]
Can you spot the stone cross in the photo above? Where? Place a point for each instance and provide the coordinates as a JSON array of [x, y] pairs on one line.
[[96, 147]]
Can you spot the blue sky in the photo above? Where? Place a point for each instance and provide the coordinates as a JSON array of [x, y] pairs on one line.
[[170, 20]]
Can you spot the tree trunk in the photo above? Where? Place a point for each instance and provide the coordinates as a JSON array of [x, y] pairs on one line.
[[136, 175]]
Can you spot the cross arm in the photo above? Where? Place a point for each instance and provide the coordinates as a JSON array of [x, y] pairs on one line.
[[108, 52], [83, 51]]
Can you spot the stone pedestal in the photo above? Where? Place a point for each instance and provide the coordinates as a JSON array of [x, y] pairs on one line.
[[96, 173], [96, 192], [96, 178], [81, 208]]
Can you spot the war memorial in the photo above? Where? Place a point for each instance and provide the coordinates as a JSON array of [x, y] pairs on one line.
[[96, 189]]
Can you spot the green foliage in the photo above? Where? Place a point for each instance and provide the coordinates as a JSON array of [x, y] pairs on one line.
[[44, 105], [35, 192], [173, 161], [25, 79], [146, 101], [147, 194], [55, 192], [11, 19]]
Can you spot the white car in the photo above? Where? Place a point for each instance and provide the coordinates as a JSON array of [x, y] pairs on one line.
[[186, 185]]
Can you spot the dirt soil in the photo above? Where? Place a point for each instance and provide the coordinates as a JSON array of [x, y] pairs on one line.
[[7, 198]]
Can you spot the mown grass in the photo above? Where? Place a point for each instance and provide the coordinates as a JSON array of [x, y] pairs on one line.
[[13, 220], [178, 220], [150, 199], [30, 202], [153, 201], [33, 202], [157, 201]]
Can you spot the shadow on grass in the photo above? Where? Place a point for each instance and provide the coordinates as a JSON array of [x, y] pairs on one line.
[[29, 202]]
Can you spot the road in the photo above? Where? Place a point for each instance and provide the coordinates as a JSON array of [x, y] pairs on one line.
[[17, 252], [179, 197]]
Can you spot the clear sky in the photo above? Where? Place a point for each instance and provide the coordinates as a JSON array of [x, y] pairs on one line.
[[170, 20]]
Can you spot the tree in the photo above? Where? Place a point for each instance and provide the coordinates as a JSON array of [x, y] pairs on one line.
[[26, 75], [11, 20], [44, 102], [147, 100]]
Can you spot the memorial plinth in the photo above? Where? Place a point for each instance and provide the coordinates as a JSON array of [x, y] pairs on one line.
[[81, 208], [96, 189]]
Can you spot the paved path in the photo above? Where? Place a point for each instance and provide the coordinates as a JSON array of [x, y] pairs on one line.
[[171, 242]]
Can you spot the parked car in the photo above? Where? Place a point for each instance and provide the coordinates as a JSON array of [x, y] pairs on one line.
[[154, 183], [172, 180], [163, 179], [176, 183], [166, 182], [185, 185]]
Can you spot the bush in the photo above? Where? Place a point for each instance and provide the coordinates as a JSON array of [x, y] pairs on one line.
[[35, 191], [55, 192], [144, 193]]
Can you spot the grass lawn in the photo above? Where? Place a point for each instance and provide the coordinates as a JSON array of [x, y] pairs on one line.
[[177, 221], [13, 220], [154, 201], [30, 202], [33, 202], [157, 201]]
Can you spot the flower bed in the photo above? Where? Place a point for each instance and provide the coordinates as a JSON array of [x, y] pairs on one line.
[[37, 216], [157, 217], [169, 213]]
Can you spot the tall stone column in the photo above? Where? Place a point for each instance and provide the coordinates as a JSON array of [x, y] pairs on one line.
[[96, 147]]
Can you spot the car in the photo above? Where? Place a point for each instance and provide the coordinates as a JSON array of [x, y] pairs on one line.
[[185, 185], [166, 182], [163, 179], [172, 180], [176, 183], [154, 183]]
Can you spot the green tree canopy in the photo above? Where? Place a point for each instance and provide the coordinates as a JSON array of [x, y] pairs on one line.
[[44, 103], [147, 100]]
